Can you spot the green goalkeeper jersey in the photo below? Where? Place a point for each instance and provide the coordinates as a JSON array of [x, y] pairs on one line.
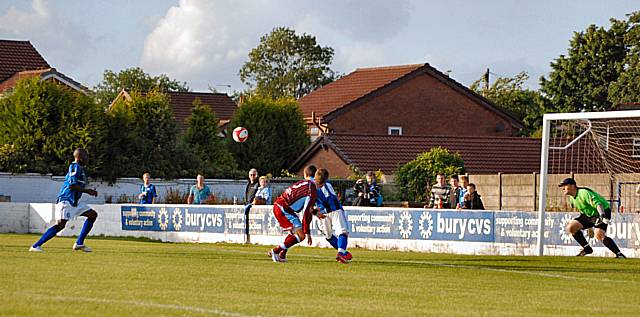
[[586, 201]]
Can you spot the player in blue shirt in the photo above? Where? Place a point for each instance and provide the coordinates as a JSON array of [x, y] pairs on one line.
[[331, 216], [68, 206], [148, 192]]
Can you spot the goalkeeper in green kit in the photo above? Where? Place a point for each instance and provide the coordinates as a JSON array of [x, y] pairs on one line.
[[595, 212]]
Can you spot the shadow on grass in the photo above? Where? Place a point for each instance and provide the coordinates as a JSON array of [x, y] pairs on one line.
[[468, 264]]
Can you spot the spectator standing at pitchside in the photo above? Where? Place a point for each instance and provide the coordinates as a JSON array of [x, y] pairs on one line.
[[249, 196], [464, 182], [440, 194], [200, 192], [148, 193], [472, 199], [263, 194], [456, 191]]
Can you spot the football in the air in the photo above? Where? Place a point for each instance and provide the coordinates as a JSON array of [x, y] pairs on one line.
[[240, 134]]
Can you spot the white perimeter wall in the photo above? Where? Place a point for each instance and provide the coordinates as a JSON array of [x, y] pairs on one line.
[[37, 217], [44, 189]]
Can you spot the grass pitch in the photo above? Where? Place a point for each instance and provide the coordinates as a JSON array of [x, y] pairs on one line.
[[144, 278]]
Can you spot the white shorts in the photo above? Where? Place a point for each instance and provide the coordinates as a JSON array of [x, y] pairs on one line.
[[334, 222], [65, 211]]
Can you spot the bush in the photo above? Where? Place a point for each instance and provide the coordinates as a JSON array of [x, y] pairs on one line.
[[126, 199], [202, 138], [143, 136], [175, 196], [277, 135], [13, 159], [43, 122], [414, 179]]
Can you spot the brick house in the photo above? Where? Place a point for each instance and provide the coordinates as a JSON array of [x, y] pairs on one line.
[[405, 100], [19, 59], [182, 102]]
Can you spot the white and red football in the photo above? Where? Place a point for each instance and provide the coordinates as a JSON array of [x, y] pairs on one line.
[[240, 134]]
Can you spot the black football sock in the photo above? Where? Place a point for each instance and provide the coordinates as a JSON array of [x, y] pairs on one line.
[[581, 239], [609, 243]]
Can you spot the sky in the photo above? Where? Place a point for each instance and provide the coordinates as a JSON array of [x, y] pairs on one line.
[[205, 42]]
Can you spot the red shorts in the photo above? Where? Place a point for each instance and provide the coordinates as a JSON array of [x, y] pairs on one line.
[[286, 220]]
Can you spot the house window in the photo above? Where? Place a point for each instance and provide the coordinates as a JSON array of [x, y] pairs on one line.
[[636, 148], [314, 133], [394, 130]]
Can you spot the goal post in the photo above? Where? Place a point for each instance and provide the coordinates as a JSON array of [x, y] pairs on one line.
[[588, 143]]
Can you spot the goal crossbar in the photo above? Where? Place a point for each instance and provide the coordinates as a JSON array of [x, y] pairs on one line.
[[544, 154]]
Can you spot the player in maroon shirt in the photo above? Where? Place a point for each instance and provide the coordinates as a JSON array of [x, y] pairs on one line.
[[298, 198]]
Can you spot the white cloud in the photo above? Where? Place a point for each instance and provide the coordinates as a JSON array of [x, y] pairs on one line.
[[201, 42], [206, 42], [64, 43]]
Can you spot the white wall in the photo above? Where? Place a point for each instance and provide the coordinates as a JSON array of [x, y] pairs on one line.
[[36, 188], [14, 217]]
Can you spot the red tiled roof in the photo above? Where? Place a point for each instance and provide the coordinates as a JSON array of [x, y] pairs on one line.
[[182, 103], [481, 155], [627, 106], [17, 56], [351, 87], [330, 99]]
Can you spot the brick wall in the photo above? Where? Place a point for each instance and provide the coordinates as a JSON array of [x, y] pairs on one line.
[[328, 159], [422, 105], [9, 83]]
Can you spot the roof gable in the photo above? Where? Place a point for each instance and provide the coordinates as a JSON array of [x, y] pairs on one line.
[[17, 56], [44, 74], [351, 87], [349, 91]]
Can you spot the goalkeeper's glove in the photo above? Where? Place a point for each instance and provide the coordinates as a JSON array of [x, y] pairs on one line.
[[602, 220], [603, 217]]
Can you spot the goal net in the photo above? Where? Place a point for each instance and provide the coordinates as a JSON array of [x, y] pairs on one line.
[[600, 150]]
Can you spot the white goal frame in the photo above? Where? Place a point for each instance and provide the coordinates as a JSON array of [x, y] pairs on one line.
[[544, 155]]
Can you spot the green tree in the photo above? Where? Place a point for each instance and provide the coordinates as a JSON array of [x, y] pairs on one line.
[[42, 122], [285, 64], [510, 95], [143, 137], [133, 79], [119, 150], [580, 81], [627, 87], [277, 134], [202, 136], [415, 178]]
